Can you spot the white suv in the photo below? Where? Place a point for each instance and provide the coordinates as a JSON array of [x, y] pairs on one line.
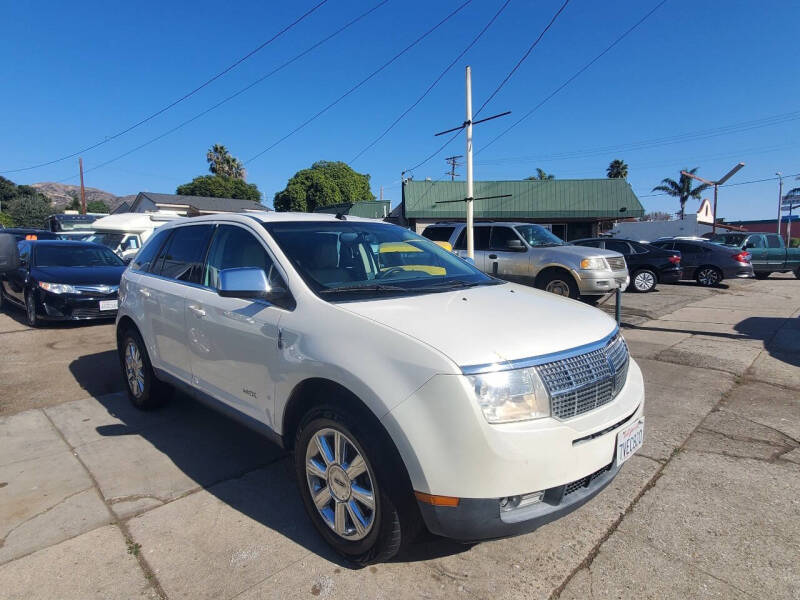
[[410, 387]]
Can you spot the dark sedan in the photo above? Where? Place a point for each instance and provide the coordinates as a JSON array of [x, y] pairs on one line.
[[647, 265], [709, 263], [26, 233], [62, 281]]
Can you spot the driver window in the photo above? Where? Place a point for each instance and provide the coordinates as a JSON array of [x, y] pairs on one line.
[[232, 248], [754, 241], [500, 237]]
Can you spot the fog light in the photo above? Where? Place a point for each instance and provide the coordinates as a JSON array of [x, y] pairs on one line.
[[513, 502]]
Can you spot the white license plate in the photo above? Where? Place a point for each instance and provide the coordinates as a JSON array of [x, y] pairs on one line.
[[109, 304], [629, 440]]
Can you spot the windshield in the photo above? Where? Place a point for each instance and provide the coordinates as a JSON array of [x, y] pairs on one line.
[[110, 240], [70, 222], [354, 260], [77, 256], [538, 236]]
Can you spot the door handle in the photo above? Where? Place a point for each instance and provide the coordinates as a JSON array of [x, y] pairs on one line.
[[145, 292], [198, 312], [493, 256]]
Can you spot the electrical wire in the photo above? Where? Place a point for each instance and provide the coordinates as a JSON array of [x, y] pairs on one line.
[[432, 85], [359, 84], [175, 102], [729, 184]]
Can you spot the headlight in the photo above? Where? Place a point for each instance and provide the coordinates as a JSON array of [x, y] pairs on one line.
[[505, 396], [57, 288], [594, 263]]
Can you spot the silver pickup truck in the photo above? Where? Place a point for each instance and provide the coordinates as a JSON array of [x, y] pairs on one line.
[[532, 255]]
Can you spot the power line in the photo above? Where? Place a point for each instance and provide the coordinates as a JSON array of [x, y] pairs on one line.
[[729, 184], [576, 75], [360, 83], [235, 94], [179, 100], [432, 85]]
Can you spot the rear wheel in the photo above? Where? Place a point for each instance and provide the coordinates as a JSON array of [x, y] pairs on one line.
[[30, 310], [560, 283], [644, 280], [708, 276], [797, 272], [762, 275], [145, 391]]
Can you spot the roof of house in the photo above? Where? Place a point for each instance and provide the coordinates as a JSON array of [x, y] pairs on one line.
[[371, 209], [201, 203], [534, 199]]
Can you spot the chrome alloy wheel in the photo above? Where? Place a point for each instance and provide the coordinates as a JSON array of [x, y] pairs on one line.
[[340, 483], [558, 287], [708, 277], [644, 281], [134, 369]]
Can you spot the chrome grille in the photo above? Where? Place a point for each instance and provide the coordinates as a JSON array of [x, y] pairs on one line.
[[617, 263], [581, 383]]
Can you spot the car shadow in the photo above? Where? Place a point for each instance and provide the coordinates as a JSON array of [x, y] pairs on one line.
[[99, 374], [240, 467]]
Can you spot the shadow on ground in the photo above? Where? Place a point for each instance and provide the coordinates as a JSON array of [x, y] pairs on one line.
[[99, 374]]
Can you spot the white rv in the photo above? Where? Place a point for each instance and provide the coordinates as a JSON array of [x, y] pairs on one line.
[[126, 232]]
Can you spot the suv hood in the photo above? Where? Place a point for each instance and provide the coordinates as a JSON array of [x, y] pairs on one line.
[[490, 324], [581, 251]]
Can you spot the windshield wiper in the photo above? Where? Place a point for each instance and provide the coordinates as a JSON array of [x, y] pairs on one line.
[[378, 287], [455, 283]]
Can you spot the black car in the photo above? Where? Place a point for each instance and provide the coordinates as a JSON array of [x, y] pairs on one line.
[[648, 265], [709, 263], [26, 233], [62, 281]]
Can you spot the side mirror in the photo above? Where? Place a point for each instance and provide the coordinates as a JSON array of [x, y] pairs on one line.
[[515, 246], [9, 254], [249, 282]]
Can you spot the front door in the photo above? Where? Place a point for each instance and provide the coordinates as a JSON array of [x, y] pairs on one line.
[[504, 263], [14, 284], [758, 250], [233, 342]]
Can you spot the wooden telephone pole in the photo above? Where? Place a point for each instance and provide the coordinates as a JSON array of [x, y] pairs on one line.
[[83, 192]]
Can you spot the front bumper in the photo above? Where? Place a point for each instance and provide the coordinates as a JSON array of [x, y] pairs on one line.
[[596, 283], [73, 307]]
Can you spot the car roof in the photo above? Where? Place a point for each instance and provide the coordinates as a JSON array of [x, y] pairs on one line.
[[267, 217], [478, 223], [64, 243]]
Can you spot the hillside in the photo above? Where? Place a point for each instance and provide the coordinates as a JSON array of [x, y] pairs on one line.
[[59, 193]]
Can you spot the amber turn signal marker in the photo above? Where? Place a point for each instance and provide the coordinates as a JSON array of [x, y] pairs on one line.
[[436, 500]]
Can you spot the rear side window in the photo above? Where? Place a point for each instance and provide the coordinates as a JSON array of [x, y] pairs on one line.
[[589, 243], [144, 259], [773, 241], [481, 239], [500, 237], [638, 248], [438, 234], [618, 246], [183, 256], [688, 248]]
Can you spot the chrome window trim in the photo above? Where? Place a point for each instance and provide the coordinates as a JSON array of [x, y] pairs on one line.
[[533, 361]]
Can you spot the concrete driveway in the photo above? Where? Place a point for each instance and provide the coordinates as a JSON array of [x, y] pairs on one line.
[[98, 500]]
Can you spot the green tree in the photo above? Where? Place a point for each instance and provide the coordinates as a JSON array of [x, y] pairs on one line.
[[75, 203], [219, 186], [541, 175], [617, 169], [8, 191], [6, 220], [97, 206], [324, 184], [221, 162], [681, 189], [30, 210]]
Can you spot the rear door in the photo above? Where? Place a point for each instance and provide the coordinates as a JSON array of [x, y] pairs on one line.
[[776, 252], [758, 249], [691, 255], [481, 241], [14, 281], [504, 263]]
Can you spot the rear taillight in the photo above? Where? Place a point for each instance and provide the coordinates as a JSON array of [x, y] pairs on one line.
[[674, 259], [742, 257]]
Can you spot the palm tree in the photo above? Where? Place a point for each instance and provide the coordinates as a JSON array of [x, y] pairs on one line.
[[682, 189], [617, 169], [541, 175], [221, 162]]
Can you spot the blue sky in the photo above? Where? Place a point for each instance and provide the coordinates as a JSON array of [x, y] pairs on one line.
[[74, 74]]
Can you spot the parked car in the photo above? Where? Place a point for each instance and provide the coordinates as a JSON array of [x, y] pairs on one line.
[[75, 236], [532, 255], [28, 233], [62, 281], [647, 265], [709, 263], [770, 254], [422, 393]]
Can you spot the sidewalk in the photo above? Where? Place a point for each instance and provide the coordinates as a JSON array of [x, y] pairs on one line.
[[98, 500]]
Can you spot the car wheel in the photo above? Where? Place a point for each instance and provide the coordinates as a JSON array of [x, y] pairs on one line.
[[30, 310], [355, 507], [797, 272], [708, 276], [561, 284], [762, 275], [644, 280], [145, 391], [2, 298]]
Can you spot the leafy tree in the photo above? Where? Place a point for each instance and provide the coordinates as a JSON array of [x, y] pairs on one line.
[[681, 189], [8, 191], [97, 206], [220, 186], [617, 169], [6, 220], [324, 184], [75, 203], [541, 175], [656, 216], [221, 162], [30, 210]]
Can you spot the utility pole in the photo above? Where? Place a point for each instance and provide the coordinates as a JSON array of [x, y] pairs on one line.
[[780, 200], [467, 124], [453, 162], [716, 184], [83, 192]]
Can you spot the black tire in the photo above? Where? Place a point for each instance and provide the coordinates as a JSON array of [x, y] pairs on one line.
[[150, 393], [708, 276], [30, 310], [395, 519], [762, 275], [797, 272], [643, 281], [2, 297], [560, 283]]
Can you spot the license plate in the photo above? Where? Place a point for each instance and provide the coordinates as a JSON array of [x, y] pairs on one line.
[[109, 304], [629, 440]]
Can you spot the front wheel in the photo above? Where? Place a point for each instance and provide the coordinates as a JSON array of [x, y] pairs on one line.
[[347, 498], [708, 276], [30, 310], [797, 272], [762, 275], [144, 390], [644, 280]]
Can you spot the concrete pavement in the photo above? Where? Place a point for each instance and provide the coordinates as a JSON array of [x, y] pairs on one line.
[[98, 500]]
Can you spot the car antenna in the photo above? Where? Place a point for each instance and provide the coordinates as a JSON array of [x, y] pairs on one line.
[[341, 216]]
